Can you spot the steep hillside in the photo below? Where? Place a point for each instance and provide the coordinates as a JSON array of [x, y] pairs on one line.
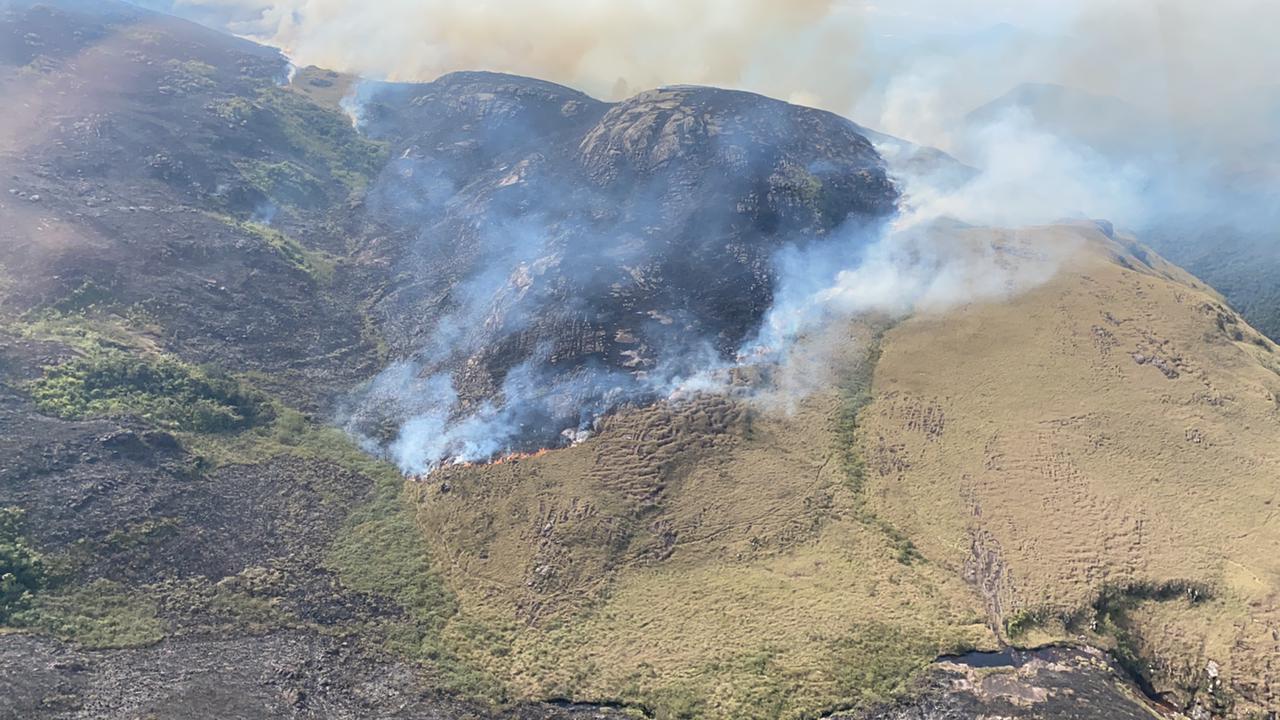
[[1097, 456], [728, 557]]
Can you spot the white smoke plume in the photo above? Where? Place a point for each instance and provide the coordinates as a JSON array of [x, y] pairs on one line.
[[1185, 61], [609, 49], [1178, 97], [1138, 107]]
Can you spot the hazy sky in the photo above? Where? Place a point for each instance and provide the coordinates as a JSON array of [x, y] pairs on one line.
[[910, 67]]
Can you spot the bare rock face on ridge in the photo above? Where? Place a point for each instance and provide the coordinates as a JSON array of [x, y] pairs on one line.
[[597, 246]]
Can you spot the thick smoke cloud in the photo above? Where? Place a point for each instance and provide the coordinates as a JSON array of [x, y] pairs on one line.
[[1182, 60], [609, 49], [1193, 81]]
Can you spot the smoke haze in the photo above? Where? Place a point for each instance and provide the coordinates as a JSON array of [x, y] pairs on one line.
[[1162, 104], [1158, 116], [910, 68]]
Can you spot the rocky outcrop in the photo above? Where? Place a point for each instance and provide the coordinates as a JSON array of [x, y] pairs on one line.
[[533, 226], [1047, 683]]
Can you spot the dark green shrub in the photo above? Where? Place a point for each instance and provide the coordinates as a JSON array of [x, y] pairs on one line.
[[163, 390], [21, 569]]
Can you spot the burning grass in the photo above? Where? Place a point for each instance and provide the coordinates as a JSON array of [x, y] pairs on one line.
[[511, 458], [700, 559]]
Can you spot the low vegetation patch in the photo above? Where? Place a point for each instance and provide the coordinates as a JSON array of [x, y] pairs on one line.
[[102, 614], [855, 395], [327, 135], [21, 567], [322, 137], [877, 663], [285, 182], [1110, 616], [319, 265], [382, 552], [162, 390]]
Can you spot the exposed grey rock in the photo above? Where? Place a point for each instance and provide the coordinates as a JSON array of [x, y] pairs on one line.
[[584, 237]]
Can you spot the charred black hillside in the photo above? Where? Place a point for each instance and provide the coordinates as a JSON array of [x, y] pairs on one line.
[[596, 247], [669, 204]]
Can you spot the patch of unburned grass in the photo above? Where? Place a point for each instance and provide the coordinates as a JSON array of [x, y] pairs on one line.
[[89, 330], [102, 614], [381, 551], [22, 571], [160, 389], [320, 266], [835, 623]]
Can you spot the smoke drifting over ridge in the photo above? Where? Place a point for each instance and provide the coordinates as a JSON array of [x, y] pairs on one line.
[[1177, 102], [609, 49], [912, 68], [572, 256], [1143, 112]]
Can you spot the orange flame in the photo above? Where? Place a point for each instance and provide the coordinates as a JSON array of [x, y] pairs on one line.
[[519, 456], [513, 457]]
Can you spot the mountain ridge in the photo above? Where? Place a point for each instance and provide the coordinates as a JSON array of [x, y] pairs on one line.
[[196, 263]]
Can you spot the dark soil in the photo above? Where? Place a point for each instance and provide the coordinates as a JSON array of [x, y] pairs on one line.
[[282, 675]]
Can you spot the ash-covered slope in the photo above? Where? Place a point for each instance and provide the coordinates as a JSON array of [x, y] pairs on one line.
[[560, 255], [156, 169]]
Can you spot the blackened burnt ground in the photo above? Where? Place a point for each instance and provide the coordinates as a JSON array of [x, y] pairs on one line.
[[533, 225]]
